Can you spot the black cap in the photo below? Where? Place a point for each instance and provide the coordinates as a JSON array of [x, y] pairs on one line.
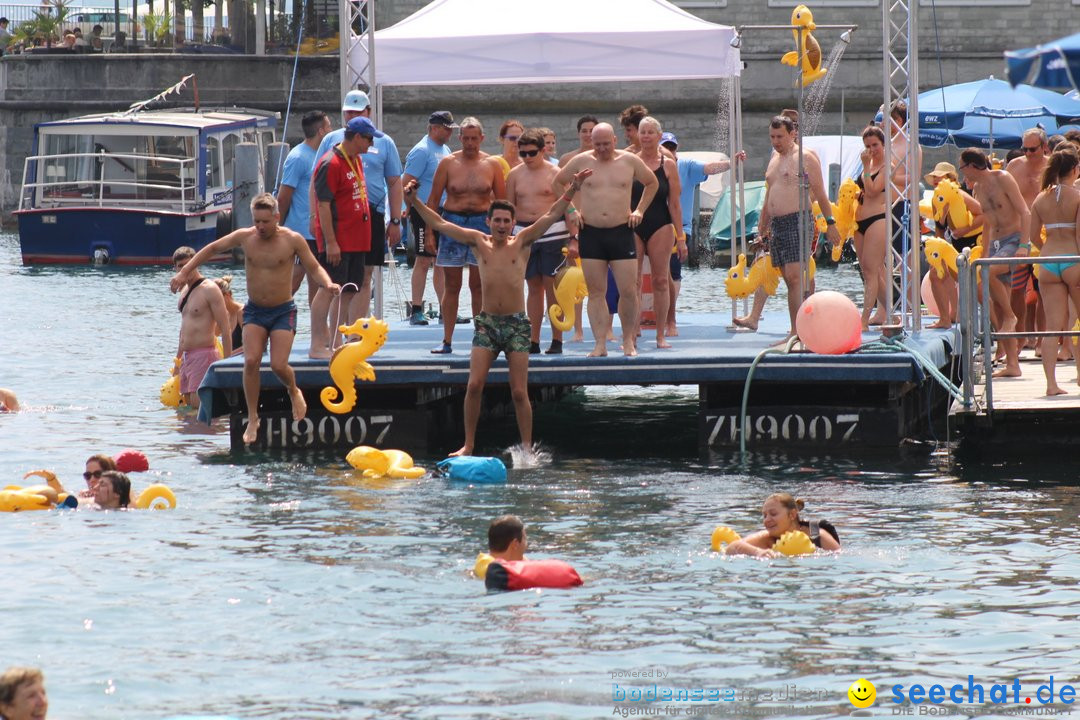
[[442, 117]]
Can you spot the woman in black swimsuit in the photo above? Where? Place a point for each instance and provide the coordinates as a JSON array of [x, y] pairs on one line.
[[656, 235], [870, 230]]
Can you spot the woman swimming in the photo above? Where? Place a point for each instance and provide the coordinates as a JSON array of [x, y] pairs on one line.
[[1057, 209], [22, 694], [96, 465], [780, 514]]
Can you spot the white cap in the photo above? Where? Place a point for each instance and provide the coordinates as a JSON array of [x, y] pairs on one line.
[[356, 100]]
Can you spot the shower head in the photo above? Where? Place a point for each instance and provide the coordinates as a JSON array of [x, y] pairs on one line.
[[845, 37], [736, 41]]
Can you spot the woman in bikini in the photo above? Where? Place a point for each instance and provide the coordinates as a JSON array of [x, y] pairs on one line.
[[944, 289], [656, 234], [1057, 209], [780, 514], [870, 232]]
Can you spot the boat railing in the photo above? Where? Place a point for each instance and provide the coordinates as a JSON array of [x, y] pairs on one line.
[[973, 314], [174, 186]]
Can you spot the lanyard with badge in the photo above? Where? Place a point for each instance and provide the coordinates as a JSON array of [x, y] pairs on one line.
[[356, 178]]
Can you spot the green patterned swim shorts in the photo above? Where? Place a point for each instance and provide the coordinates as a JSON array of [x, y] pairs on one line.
[[501, 333]]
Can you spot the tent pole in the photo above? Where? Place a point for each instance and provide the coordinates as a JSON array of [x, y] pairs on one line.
[[734, 103]]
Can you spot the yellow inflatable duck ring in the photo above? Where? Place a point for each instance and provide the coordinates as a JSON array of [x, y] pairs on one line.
[[794, 542], [156, 497], [570, 289], [14, 498], [723, 535], [378, 463], [764, 275], [349, 362], [847, 202], [940, 254], [481, 566], [810, 62], [170, 391], [738, 285]]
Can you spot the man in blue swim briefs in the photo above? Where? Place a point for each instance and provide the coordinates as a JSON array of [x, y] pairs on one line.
[[270, 314], [471, 179], [1005, 223], [606, 237], [501, 325]]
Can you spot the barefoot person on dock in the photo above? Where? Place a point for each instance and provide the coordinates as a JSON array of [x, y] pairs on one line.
[[782, 202], [270, 313], [1005, 228], [502, 324], [606, 237]]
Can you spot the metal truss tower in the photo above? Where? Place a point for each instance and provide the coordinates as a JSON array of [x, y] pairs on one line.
[[900, 49], [358, 69]]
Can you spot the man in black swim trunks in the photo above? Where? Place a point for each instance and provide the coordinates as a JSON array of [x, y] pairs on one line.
[[269, 251], [607, 238], [501, 325]]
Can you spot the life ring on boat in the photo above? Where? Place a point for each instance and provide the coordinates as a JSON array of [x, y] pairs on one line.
[[525, 574], [723, 535], [156, 497], [794, 542]]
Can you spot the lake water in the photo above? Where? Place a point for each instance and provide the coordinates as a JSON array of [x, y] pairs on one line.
[[285, 587]]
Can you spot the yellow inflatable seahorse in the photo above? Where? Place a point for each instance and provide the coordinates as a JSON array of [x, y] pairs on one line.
[[847, 201], [810, 62], [948, 201], [737, 285], [570, 289], [940, 254], [348, 362], [763, 274], [378, 463]]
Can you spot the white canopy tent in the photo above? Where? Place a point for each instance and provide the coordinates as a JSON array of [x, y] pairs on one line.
[[486, 42]]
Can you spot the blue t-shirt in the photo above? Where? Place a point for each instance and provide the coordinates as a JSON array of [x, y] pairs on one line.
[[421, 163], [691, 174], [381, 161], [297, 175]]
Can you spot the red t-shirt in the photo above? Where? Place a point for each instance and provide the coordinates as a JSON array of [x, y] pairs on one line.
[[341, 183]]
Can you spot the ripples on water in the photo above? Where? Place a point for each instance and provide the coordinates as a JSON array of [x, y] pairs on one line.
[[286, 587]]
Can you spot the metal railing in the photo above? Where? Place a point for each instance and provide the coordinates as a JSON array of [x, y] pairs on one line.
[[973, 313], [91, 191]]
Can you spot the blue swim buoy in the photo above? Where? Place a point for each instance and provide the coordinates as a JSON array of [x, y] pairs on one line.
[[474, 469]]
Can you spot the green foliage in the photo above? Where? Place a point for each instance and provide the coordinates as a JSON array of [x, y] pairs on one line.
[[158, 27], [46, 24]]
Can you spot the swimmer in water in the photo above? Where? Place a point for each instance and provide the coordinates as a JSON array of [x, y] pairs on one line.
[[8, 401], [780, 514], [22, 694], [506, 538], [113, 492], [96, 466]]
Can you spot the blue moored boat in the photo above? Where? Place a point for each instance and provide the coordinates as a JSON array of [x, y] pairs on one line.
[[130, 187]]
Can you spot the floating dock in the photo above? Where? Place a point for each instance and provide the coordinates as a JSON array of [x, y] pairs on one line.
[[863, 398]]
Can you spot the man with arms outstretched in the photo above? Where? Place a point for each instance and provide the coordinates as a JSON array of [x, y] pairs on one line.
[[607, 234], [502, 324], [270, 314]]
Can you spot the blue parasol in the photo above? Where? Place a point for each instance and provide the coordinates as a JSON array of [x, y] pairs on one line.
[[990, 113], [1054, 65]]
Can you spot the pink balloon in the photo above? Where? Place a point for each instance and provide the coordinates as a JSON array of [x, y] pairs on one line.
[[927, 294], [829, 323]]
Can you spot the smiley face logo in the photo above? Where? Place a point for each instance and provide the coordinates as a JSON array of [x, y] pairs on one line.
[[862, 693]]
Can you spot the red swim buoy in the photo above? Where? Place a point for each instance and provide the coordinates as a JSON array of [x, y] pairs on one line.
[[131, 461], [525, 574]]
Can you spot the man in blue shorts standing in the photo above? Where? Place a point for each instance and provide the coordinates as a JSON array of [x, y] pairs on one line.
[[471, 179], [420, 165]]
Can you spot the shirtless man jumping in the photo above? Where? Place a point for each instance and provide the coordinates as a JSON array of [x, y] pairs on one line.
[[201, 305], [471, 179], [607, 233], [528, 187], [502, 324], [269, 253], [1005, 222], [781, 207]]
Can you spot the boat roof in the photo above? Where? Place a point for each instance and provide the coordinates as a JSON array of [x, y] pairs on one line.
[[180, 117]]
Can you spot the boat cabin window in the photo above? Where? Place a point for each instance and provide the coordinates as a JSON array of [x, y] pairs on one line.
[[139, 167], [213, 163], [228, 152]]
